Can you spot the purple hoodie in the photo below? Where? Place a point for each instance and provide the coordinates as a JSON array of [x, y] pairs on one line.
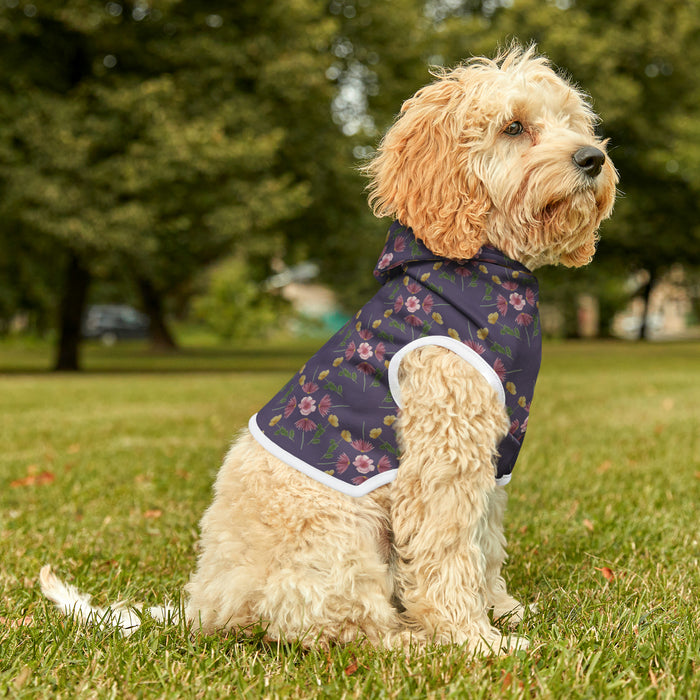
[[335, 419]]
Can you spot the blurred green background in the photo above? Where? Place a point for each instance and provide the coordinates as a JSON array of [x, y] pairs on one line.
[[198, 160]]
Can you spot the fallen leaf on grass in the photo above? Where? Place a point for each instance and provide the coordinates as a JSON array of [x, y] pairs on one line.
[[155, 513], [13, 623], [588, 525], [33, 479], [351, 667], [607, 573], [604, 466]]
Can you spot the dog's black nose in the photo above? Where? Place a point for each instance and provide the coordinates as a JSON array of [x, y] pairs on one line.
[[590, 160]]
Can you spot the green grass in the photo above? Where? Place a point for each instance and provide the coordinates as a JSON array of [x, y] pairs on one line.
[[106, 474]]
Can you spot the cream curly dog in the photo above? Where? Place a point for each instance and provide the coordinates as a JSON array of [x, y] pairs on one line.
[[492, 170]]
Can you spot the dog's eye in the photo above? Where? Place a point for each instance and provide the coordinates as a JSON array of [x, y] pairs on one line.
[[514, 129]]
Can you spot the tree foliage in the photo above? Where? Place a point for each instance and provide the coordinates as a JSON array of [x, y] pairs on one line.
[[150, 139]]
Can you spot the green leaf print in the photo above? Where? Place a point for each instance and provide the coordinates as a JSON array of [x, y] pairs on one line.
[[331, 449], [329, 386], [505, 330], [317, 435]]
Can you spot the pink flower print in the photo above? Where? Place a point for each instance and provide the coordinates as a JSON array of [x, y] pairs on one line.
[[530, 296], [400, 244], [501, 304], [514, 426], [398, 304], [366, 368], [365, 351], [324, 405], [384, 464], [499, 368], [413, 287], [307, 405], [517, 301], [523, 428], [366, 334], [428, 304], [309, 387], [523, 319], [510, 285], [414, 321], [463, 271], [357, 480], [385, 261], [476, 347], [342, 464], [362, 445], [363, 464], [412, 304], [350, 350], [289, 408], [379, 352], [305, 424]]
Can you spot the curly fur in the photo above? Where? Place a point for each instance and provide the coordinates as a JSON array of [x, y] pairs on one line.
[[419, 559]]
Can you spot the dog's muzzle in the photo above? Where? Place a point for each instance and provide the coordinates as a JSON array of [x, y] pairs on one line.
[[590, 160]]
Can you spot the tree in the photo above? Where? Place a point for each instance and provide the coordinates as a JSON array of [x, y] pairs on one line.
[[133, 137]]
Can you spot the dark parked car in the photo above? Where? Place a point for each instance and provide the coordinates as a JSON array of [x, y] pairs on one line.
[[113, 322]]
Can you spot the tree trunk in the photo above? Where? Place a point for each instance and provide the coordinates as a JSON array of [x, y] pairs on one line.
[[75, 287], [160, 335], [646, 295]]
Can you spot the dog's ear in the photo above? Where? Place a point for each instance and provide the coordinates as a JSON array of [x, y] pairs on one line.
[[423, 176]]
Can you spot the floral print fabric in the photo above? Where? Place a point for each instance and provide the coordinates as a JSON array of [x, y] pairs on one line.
[[335, 418]]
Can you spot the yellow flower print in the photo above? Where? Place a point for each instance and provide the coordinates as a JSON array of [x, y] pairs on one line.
[[323, 375], [522, 401], [330, 471], [511, 388], [496, 279], [453, 333], [482, 333], [437, 318], [406, 280], [337, 361], [389, 420], [358, 326], [437, 266], [302, 379], [275, 420], [357, 315], [346, 436], [387, 313], [483, 268], [493, 317], [377, 323], [424, 277], [333, 420], [386, 363], [516, 274], [374, 434]]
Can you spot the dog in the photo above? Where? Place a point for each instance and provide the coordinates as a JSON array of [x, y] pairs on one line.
[[365, 501]]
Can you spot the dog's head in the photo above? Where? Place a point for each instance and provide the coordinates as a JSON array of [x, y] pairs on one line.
[[499, 152]]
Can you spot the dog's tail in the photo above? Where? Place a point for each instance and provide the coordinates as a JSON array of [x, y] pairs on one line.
[[70, 601]]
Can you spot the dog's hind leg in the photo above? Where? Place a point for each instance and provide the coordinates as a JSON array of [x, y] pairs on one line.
[[305, 561], [450, 426]]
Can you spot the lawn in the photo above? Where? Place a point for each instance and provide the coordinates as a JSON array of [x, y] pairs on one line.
[[106, 474]]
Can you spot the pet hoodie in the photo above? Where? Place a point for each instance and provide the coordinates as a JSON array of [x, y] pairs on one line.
[[334, 420]]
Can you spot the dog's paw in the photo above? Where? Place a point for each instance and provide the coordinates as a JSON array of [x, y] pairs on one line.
[[511, 613]]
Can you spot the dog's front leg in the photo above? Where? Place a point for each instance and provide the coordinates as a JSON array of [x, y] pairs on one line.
[[450, 425]]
